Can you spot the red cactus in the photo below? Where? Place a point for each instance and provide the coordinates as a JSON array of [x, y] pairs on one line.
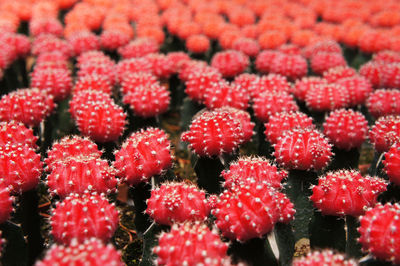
[[177, 203], [281, 122], [326, 46], [198, 43], [148, 101], [82, 217], [51, 57], [273, 83], [392, 163], [20, 167], [91, 251], [137, 79], [290, 49], [303, 149], [7, 55], [113, 39], [191, 244], [247, 46], [101, 121], [267, 104], [198, 82], [253, 169], [384, 102], [245, 121], [56, 82], [390, 76], [144, 154], [178, 59], [6, 202], [138, 48], [49, 43], [322, 61], [81, 98], [230, 62], [94, 83], [336, 73], [93, 57], [385, 132], [69, 147], [380, 232], [52, 65], [127, 66], [83, 42], [191, 67], [106, 70], [325, 257], [224, 94], [264, 60], [346, 192], [40, 26], [386, 57], [214, 133], [245, 80], [373, 71], [251, 210], [15, 132], [302, 86], [346, 129], [272, 39], [81, 175], [21, 43], [291, 66], [327, 97], [29, 106], [160, 65], [359, 89]]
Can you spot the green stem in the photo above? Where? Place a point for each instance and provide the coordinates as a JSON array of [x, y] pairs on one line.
[[108, 149], [31, 224], [344, 159], [327, 232], [208, 171], [392, 194], [298, 190], [353, 248], [255, 251], [376, 164], [177, 89], [189, 109], [140, 193], [285, 240], [264, 147], [319, 118], [15, 252]]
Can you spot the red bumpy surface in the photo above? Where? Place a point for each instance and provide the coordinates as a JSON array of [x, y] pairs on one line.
[[346, 192], [191, 244], [324, 257], [380, 232], [20, 167], [91, 252], [82, 217], [251, 210], [214, 133], [346, 129], [177, 203], [303, 149], [144, 154]]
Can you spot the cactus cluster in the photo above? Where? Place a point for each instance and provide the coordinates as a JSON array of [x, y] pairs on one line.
[[177, 132]]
